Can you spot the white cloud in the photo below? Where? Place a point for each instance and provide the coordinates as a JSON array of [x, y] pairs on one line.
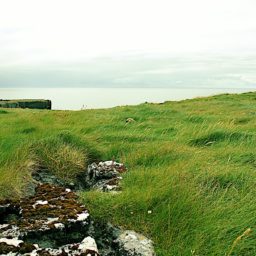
[[62, 30]]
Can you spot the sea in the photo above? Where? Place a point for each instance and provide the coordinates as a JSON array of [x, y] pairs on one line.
[[95, 98]]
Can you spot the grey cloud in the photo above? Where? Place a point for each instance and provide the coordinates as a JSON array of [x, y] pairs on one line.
[[193, 71]]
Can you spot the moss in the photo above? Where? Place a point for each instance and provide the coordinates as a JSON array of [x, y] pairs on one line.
[[26, 248], [61, 204], [64, 208], [22, 248], [5, 248]]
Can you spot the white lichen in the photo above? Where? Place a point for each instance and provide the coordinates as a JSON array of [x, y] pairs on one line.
[[88, 244], [39, 202], [2, 226], [59, 225], [51, 220], [82, 216], [111, 187], [11, 241]]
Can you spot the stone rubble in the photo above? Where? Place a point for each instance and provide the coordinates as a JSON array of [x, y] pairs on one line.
[[53, 222], [105, 176]]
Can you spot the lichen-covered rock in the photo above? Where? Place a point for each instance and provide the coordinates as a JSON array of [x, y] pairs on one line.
[[45, 177], [134, 244], [53, 222], [89, 246], [45, 218], [14, 246], [49, 206], [11, 241], [105, 176]]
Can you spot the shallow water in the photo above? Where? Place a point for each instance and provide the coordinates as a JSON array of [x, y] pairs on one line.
[[87, 98]]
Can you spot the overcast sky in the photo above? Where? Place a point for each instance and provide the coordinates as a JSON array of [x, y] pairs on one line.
[[47, 39]]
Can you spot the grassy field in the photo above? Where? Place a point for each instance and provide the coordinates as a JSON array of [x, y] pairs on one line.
[[192, 163]]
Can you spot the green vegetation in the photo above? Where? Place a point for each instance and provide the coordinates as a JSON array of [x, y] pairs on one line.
[[64, 155], [192, 163]]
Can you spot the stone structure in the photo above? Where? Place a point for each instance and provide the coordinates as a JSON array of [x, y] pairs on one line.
[[34, 104]]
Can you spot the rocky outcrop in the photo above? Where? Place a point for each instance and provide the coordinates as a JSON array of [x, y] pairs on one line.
[[34, 104], [53, 222]]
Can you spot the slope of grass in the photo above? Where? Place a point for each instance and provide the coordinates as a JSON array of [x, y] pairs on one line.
[[192, 167]]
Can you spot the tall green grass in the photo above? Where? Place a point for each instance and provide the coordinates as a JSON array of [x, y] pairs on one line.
[[191, 177], [64, 155]]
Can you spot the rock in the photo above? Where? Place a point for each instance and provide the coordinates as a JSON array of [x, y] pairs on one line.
[[44, 176], [52, 219], [15, 247], [53, 222], [82, 216], [11, 231], [47, 217], [59, 225], [39, 202], [105, 176], [108, 185], [9, 211], [89, 246], [129, 120], [11, 241], [134, 244]]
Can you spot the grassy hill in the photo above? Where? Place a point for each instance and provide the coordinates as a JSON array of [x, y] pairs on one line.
[[191, 163]]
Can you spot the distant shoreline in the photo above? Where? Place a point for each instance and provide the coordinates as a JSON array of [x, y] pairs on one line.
[[98, 98]]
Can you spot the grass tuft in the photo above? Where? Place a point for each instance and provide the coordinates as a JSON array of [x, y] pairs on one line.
[[28, 130], [64, 155], [2, 111], [221, 136]]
